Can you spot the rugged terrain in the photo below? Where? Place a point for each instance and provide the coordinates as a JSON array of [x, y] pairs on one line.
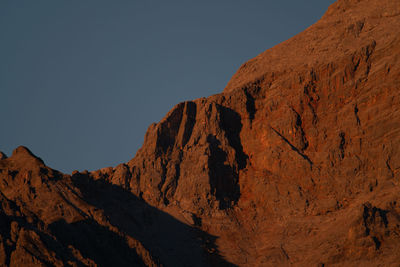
[[297, 162]]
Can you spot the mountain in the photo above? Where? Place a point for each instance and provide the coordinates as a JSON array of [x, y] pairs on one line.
[[296, 162]]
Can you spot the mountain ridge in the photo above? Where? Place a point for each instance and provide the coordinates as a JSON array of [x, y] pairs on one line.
[[296, 162]]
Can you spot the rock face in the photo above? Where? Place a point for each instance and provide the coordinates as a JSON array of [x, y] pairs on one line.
[[297, 162]]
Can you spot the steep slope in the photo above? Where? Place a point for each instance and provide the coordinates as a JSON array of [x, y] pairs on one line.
[[297, 162], [52, 219]]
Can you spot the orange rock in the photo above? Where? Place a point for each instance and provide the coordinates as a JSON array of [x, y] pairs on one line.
[[295, 163]]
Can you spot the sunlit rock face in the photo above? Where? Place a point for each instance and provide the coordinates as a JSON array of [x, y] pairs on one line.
[[296, 162]]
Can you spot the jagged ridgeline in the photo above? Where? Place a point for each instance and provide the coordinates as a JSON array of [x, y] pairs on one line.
[[296, 162]]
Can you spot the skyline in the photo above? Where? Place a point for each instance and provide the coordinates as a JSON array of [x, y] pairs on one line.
[[81, 82]]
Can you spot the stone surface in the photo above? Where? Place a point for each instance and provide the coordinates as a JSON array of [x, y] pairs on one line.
[[297, 163]]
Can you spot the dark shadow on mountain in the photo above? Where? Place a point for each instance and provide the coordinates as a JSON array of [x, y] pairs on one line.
[[96, 242], [223, 177], [231, 122], [170, 241]]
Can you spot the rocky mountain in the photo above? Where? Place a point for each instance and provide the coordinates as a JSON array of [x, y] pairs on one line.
[[295, 163]]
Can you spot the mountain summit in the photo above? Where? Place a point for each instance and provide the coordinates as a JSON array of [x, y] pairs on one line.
[[296, 162]]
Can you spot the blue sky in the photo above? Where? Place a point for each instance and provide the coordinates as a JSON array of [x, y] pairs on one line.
[[80, 81]]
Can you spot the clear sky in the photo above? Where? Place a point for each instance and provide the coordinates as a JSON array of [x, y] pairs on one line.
[[81, 80]]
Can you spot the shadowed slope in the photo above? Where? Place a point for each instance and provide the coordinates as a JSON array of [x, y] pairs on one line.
[[297, 162], [48, 218]]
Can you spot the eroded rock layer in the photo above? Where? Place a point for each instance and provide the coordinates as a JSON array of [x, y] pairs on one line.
[[297, 163]]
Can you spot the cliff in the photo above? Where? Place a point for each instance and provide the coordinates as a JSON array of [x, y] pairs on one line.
[[296, 162]]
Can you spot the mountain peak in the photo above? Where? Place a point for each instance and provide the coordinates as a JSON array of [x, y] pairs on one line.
[[347, 26], [22, 150], [24, 156]]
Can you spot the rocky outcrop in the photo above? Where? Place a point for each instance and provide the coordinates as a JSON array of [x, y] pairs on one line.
[[297, 162], [52, 219]]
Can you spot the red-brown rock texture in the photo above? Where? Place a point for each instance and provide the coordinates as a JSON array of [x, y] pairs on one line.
[[296, 163]]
